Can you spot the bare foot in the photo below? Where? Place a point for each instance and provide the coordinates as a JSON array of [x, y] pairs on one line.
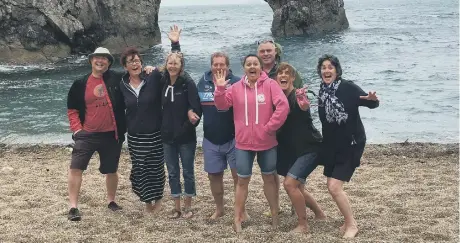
[[217, 214], [275, 222], [237, 227], [246, 216], [149, 207], [156, 208], [320, 216], [342, 229], [303, 229], [350, 232]]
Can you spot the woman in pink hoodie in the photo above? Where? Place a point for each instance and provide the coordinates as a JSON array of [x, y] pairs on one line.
[[259, 110]]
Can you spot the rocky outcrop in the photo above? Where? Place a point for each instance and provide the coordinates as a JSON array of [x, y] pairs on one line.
[[46, 30], [299, 17]]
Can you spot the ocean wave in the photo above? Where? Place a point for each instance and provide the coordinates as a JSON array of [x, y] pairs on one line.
[[23, 68], [390, 71]]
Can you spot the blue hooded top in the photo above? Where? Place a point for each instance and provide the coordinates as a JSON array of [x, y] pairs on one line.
[[218, 125]]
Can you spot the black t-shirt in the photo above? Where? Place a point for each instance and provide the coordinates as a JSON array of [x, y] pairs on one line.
[[297, 136]]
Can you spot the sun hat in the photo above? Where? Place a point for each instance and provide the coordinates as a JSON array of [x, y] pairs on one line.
[[101, 51]]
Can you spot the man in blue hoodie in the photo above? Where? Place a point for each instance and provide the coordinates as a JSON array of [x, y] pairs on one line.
[[219, 131]]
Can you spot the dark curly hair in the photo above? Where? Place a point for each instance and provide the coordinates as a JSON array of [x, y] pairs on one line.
[[334, 61], [129, 52]]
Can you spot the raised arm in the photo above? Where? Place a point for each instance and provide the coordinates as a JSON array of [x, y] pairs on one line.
[[174, 36], [223, 98], [369, 100]]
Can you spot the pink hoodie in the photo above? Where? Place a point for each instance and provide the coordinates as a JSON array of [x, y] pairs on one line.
[[255, 125]]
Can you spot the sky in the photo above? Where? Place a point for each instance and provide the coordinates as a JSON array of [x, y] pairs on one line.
[[207, 2]]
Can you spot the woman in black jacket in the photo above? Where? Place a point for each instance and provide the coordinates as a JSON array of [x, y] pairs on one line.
[[142, 98], [181, 115], [344, 137]]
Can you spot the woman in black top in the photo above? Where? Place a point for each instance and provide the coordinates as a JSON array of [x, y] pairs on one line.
[[344, 137], [142, 98], [181, 114], [298, 144]]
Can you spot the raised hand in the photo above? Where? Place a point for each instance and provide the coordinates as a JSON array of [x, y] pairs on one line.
[[302, 100], [370, 96], [174, 33], [219, 78], [192, 117], [149, 69]]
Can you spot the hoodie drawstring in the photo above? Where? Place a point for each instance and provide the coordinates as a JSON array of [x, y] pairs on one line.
[[170, 87], [246, 106], [257, 107], [246, 103]]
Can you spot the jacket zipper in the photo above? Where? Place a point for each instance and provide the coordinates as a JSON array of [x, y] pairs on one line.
[[134, 93]]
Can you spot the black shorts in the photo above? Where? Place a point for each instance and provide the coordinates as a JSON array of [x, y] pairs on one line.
[[345, 164], [86, 143]]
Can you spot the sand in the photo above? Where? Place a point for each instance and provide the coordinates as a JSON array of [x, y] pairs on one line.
[[402, 193]]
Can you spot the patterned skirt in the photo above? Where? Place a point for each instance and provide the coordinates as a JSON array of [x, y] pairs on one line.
[[148, 166]]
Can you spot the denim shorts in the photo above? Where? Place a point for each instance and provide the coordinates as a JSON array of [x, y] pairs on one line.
[[245, 159], [303, 167], [216, 157]]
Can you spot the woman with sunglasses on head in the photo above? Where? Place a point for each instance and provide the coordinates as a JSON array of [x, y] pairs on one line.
[[181, 114], [142, 98], [344, 137], [259, 109]]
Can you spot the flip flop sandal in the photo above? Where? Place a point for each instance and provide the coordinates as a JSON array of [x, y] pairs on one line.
[[188, 213], [175, 214]]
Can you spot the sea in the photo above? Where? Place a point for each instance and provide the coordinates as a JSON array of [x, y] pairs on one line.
[[405, 50]]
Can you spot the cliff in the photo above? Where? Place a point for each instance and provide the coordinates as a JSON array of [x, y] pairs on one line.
[[301, 17], [46, 30]]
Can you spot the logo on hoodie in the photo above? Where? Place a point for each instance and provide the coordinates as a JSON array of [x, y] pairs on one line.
[[261, 98]]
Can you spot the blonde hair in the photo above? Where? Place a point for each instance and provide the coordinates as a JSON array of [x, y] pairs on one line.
[[176, 56]]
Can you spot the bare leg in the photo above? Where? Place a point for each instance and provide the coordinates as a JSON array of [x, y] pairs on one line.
[[292, 187], [335, 188], [277, 182], [149, 207], [157, 206], [240, 199], [271, 192], [111, 181], [312, 204], [217, 189], [188, 206], [74, 184], [235, 183]]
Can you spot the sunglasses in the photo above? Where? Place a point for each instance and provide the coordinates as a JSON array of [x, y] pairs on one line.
[[265, 41]]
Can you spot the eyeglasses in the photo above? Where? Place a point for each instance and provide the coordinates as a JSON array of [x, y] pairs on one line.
[[265, 41], [132, 62]]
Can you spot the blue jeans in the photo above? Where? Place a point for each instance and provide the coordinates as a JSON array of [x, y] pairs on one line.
[[187, 156], [245, 159], [303, 167]]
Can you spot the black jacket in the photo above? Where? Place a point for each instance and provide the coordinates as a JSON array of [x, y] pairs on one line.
[[76, 99], [176, 127], [143, 112], [338, 139]]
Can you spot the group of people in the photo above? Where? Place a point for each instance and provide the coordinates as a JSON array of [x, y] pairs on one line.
[[265, 113]]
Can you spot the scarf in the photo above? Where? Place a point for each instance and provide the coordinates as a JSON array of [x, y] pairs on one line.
[[335, 112]]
